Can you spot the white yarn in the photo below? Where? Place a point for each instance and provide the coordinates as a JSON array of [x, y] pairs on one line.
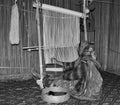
[[39, 82], [61, 36], [14, 27]]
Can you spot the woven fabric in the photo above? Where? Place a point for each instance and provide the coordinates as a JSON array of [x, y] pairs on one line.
[[61, 34]]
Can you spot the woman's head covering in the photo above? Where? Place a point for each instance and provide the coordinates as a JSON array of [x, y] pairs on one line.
[[82, 47]]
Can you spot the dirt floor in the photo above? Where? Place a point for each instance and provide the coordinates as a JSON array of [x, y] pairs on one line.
[[29, 93]]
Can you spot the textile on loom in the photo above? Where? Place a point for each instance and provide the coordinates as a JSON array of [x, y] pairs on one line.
[[14, 26], [61, 34]]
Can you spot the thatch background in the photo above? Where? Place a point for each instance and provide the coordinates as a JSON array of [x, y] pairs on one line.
[[16, 63], [107, 29]]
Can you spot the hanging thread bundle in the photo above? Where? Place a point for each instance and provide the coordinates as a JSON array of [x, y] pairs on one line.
[[14, 28]]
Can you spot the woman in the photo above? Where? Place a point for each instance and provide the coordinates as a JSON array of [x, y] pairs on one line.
[[82, 79]]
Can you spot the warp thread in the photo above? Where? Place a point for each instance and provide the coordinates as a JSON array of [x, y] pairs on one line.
[[61, 35]]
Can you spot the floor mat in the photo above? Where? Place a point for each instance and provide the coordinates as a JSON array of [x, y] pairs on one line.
[[28, 93]]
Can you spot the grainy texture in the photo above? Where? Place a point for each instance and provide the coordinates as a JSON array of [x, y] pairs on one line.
[[106, 36], [15, 62], [28, 93], [107, 29]]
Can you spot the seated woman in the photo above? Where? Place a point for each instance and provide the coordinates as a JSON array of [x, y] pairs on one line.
[[83, 78]]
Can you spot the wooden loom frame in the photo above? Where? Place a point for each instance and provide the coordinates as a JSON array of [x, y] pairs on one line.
[[38, 6]]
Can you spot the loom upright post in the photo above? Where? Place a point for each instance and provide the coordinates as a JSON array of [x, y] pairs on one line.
[[40, 44], [57, 9], [84, 19]]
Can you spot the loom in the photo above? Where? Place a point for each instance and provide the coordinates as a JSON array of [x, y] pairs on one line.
[[38, 6]]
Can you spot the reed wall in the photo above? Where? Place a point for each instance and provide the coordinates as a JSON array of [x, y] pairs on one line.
[[15, 62], [102, 11], [107, 31]]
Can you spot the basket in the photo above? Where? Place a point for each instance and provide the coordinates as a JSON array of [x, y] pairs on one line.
[[50, 98]]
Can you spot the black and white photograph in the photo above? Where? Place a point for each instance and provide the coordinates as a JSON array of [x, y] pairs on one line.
[[59, 52]]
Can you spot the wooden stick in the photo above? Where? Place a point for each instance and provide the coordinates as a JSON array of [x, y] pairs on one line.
[[59, 9], [40, 44], [84, 19], [2, 67], [42, 47]]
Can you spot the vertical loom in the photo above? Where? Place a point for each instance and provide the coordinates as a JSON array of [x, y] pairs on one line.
[[38, 6]]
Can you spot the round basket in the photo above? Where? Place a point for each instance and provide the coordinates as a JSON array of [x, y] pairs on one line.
[[55, 98]]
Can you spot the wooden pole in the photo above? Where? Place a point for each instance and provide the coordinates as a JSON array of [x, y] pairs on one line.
[[40, 44], [84, 20], [60, 10]]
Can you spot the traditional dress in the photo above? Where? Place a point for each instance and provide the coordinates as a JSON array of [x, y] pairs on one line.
[[83, 80]]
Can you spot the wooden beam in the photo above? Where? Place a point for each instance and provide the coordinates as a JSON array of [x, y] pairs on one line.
[[59, 9]]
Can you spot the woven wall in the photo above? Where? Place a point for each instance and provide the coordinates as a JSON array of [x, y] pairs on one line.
[[114, 38], [102, 11], [16, 63], [107, 30]]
